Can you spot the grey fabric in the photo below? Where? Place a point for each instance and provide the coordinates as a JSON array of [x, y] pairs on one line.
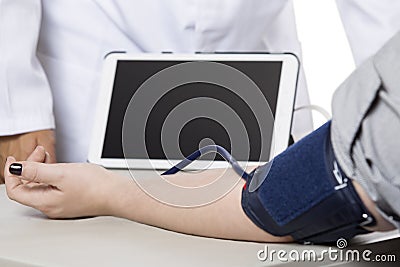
[[366, 128]]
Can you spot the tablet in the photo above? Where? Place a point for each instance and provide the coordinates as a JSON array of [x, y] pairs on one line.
[[155, 109]]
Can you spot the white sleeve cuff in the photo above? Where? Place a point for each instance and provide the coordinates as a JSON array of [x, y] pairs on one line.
[[24, 123]]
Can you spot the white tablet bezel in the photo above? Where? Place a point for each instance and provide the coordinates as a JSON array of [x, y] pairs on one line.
[[283, 114]]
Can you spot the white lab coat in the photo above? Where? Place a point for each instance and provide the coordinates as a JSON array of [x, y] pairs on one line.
[[75, 36], [369, 24], [25, 98]]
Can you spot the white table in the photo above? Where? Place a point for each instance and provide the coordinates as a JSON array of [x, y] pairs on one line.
[[27, 238]]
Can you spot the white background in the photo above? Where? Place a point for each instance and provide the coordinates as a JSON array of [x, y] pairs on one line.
[[327, 58]]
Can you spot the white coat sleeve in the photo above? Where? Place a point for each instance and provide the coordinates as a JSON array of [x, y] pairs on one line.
[[25, 97]]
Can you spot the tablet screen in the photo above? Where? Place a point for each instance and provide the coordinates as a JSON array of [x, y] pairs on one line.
[[130, 75]]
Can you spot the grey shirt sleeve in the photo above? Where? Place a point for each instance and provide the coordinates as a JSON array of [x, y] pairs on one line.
[[366, 128]]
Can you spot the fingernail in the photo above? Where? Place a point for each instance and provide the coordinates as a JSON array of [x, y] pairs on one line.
[[16, 169]]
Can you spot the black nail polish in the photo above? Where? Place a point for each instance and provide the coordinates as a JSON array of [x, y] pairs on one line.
[[16, 169]]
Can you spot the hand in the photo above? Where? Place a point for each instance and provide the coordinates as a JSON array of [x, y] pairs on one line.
[[21, 146], [62, 190]]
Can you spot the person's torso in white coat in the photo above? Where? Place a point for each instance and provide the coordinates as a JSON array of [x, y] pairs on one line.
[[76, 35]]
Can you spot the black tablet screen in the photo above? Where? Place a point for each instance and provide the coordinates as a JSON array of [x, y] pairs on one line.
[[130, 75]]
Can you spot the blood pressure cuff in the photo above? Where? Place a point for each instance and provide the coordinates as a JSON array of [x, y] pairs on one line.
[[303, 193]]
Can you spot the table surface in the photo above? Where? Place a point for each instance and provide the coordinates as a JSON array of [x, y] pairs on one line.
[[28, 238]]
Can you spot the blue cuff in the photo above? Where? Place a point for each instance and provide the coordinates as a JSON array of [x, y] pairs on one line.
[[304, 193]]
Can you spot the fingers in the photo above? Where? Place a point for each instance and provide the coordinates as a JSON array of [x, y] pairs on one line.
[[40, 194], [49, 159], [38, 155], [16, 189], [11, 182], [47, 139], [21, 146], [49, 174]]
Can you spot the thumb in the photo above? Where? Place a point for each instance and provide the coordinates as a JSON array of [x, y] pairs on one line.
[[37, 172]]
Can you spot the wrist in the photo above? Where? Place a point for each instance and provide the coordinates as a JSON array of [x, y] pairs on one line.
[[117, 194]]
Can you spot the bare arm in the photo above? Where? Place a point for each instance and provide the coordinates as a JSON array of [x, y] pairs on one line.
[[89, 190], [221, 219], [75, 190]]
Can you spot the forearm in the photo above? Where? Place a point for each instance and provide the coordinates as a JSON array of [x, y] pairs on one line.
[[75, 190], [223, 218]]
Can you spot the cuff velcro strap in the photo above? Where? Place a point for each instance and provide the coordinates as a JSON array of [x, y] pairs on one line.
[[303, 193]]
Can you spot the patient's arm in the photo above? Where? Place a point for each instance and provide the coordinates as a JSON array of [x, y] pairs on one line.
[[221, 219], [76, 190]]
